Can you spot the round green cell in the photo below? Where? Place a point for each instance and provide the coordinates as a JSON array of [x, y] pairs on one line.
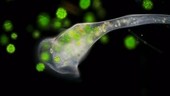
[[36, 34], [43, 20], [61, 13], [57, 24], [89, 17], [147, 4], [84, 4], [130, 42], [57, 59], [67, 22], [45, 56], [65, 38], [74, 35], [101, 13], [40, 67], [14, 36], [4, 40], [10, 48], [96, 4], [104, 39], [8, 26], [88, 28]]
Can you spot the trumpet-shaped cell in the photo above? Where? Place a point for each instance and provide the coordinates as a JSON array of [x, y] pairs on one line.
[[64, 52]]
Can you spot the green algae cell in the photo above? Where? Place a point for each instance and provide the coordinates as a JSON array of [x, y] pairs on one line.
[[88, 28], [45, 56], [66, 22], [8, 26], [74, 35], [43, 20], [61, 13], [130, 42], [14, 36], [57, 25], [147, 4], [10, 48], [4, 40], [36, 34], [84, 4], [96, 4], [65, 38], [104, 39], [40, 67], [57, 59], [89, 17]]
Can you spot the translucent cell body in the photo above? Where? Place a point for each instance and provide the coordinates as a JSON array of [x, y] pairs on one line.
[[64, 52]]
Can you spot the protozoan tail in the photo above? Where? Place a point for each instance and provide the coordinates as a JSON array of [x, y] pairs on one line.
[[104, 27], [136, 20]]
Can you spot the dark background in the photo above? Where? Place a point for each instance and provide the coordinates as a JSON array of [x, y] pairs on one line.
[[108, 69]]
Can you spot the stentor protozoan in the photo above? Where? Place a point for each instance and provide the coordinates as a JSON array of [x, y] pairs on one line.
[[64, 52]]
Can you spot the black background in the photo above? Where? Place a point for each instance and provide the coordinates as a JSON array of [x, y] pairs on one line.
[[108, 69]]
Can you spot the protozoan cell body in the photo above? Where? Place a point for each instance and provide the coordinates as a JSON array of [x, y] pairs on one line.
[[65, 52]]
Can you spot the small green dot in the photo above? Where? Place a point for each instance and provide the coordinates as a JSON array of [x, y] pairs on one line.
[[65, 38], [4, 40], [102, 13], [40, 67], [57, 24], [130, 42], [45, 56], [89, 17], [104, 39], [8, 26], [36, 34], [57, 59], [147, 4], [14, 36], [43, 20], [97, 4], [74, 35], [88, 28], [10, 48], [84, 4], [67, 23], [61, 13]]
